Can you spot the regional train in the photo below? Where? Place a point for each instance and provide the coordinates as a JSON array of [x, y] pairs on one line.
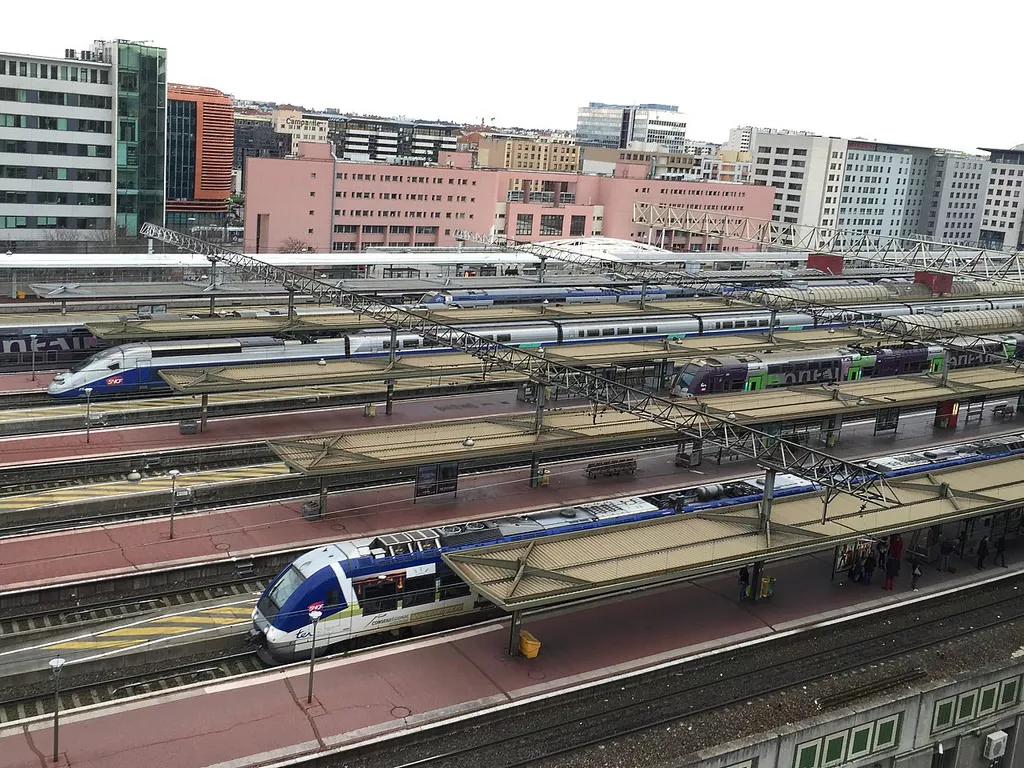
[[752, 372], [399, 580], [133, 368]]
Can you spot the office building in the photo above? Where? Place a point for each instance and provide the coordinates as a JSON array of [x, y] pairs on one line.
[[256, 136], [640, 163], [81, 144], [744, 138], [409, 142], [543, 153], [616, 126], [200, 153], [1001, 223], [954, 195], [326, 204]]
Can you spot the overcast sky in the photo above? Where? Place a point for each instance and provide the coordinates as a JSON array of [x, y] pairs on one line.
[[897, 71]]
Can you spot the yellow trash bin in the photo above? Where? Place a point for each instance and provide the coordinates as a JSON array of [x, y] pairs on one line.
[[529, 645], [545, 478]]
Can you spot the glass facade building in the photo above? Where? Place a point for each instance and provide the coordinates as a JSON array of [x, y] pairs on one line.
[[141, 134], [181, 149]]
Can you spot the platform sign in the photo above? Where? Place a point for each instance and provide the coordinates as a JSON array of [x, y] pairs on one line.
[[432, 479], [887, 420]]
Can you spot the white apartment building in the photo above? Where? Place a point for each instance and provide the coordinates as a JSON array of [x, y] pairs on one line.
[[57, 159], [1002, 225], [744, 138], [883, 188], [954, 193], [807, 173]]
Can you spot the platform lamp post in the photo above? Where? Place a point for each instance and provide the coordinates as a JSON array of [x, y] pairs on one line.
[[32, 340], [56, 665], [88, 413], [174, 495], [314, 616]]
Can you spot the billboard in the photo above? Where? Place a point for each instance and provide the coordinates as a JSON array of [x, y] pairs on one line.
[[432, 479]]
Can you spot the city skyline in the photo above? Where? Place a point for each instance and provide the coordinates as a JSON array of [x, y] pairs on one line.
[[892, 79]]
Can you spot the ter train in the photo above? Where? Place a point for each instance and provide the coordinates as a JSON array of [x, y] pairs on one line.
[[395, 581], [132, 368], [751, 372]]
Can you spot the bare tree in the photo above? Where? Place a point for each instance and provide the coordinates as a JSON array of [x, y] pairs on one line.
[[294, 245]]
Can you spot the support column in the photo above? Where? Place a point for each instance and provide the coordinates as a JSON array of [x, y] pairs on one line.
[[534, 470], [771, 325], [538, 422], [204, 411], [765, 507], [945, 367], [755, 580], [389, 405], [515, 626], [323, 496], [643, 294], [291, 303], [213, 306]]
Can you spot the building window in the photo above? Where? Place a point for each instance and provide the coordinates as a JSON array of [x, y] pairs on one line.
[[551, 224], [577, 226], [524, 224]]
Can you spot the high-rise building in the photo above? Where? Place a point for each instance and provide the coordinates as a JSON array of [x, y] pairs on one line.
[[954, 193], [81, 144], [617, 125], [200, 152], [1002, 225]]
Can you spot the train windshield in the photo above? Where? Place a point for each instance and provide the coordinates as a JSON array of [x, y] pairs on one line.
[[686, 376], [277, 595], [81, 364]]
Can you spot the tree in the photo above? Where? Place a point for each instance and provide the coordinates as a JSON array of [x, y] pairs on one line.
[[294, 245]]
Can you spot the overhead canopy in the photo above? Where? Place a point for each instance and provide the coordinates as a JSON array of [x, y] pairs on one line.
[[537, 572]]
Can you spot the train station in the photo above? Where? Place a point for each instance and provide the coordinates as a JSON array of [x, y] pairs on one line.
[[367, 509]]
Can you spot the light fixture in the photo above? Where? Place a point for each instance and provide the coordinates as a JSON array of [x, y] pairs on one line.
[[731, 417], [321, 362], [469, 442]]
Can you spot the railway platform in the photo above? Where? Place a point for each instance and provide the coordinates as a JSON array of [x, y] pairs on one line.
[[263, 717], [94, 552], [23, 382]]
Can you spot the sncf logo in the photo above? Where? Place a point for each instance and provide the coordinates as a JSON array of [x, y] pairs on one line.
[[113, 381]]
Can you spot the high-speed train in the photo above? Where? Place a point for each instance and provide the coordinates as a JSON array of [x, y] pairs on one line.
[[752, 372], [489, 297], [134, 367], [370, 585]]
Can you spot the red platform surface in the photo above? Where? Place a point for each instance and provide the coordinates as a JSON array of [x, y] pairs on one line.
[[224, 430], [258, 718], [22, 382], [116, 549]]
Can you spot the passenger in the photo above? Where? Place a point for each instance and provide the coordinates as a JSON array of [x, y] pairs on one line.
[[946, 547], [744, 582], [856, 572], [982, 552], [915, 574], [869, 567], [892, 569], [1001, 551], [882, 545]]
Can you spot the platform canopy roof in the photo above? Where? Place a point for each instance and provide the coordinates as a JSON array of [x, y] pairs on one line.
[[571, 566]]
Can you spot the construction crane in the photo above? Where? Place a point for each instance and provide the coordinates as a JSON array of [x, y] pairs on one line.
[[691, 420]]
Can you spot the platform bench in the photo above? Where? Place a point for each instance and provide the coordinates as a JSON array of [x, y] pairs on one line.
[[609, 467]]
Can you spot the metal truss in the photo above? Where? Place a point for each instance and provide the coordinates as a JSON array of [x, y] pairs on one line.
[[902, 252], [692, 420], [907, 330]]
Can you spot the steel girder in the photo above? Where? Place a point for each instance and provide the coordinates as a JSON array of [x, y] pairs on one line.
[[693, 421]]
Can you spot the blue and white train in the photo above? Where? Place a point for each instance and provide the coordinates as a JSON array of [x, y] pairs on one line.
[[399, 580], [133, 368]]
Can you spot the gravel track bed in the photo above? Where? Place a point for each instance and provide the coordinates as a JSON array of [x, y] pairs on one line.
[[719, 682]]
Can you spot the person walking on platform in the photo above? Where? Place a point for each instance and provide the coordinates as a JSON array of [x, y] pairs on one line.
[[982, 552], [870, 563], [1001, 551], [946, 546], [915, 574], [892, 569], [882, 545], [744, 582]]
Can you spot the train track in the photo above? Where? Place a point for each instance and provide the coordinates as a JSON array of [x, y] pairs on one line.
[[615, 723]]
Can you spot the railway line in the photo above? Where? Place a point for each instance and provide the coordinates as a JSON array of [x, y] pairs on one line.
[[671, 712]]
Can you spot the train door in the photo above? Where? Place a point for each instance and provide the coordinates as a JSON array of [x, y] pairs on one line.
[[935, 364]]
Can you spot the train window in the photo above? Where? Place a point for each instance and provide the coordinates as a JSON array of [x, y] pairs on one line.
[[726, 324], [752, 323], [452, 586], [638, 329], [333, 597], [623, 331], [607, 331], [378, 595], [418, 590], [592, 332], [411, 343], [652, 329], [387, 345], [113, 366], [736, 385], [503, 337]]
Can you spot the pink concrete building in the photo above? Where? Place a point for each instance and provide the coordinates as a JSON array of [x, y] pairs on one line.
[[313, 201]]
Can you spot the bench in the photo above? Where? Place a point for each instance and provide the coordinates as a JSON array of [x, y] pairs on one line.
[[609, 467], [1004, 411]]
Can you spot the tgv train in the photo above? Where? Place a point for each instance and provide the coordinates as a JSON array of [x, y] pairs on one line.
[[134, 367], [490, 297], [369, 585], [751, 372]]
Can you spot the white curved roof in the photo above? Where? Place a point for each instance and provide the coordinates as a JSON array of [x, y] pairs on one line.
[[613, 249]]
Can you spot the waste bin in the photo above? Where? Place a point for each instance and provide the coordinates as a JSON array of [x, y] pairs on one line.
[[370, 409], [767, 587], [188, 426], [545, 478], [529, 645]]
